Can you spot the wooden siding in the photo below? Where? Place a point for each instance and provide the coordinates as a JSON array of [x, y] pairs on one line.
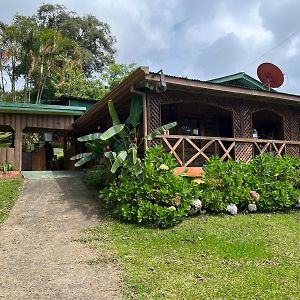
[[7, 154], [241, 109], [18, 122]]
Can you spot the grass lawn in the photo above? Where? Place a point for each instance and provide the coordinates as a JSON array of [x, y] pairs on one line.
[[10, 190], [206, 257]]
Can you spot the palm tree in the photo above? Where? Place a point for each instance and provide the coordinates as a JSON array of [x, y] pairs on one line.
[[54, 52], [9, 37]]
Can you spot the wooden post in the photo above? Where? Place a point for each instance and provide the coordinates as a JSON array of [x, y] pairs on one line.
[[18, 143]]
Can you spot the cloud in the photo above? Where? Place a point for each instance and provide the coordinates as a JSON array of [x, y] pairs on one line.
[[194, 38]]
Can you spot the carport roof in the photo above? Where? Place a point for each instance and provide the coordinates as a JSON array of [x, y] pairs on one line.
[[44, 109]]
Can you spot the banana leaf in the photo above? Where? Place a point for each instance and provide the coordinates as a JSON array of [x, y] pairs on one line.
[[112, 131], [113, 113], [136, 109], [110, 155], [80, 155], [119, 161], [90, 137], [83, 158], [115, 118], [160, 130]]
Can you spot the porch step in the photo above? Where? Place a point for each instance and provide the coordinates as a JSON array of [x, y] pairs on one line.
[[191, 171]]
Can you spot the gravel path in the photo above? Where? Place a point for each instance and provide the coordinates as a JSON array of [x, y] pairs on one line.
[[39, 255]]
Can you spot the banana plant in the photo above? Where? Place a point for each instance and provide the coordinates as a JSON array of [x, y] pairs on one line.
[[125, 136]]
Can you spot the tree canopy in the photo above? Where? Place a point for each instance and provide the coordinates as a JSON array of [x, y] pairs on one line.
[[93, 36], [56, 52]]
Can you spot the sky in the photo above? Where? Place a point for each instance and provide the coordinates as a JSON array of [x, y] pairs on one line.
[[198, 39]]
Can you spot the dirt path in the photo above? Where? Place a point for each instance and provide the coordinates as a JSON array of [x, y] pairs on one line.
[[39, 255]]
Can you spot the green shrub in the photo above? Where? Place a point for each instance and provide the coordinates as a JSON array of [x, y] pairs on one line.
[[276, 179], [224, 183], [7, 166], [96, 178], [157, 198]]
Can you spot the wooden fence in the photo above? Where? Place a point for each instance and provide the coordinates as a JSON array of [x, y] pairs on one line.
[[193, 151]]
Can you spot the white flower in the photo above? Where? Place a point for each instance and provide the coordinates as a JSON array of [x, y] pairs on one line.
[[198, 180], [298, 203], [252, 207], [172, 208], [197, 204], [232, 209], [163, 167]]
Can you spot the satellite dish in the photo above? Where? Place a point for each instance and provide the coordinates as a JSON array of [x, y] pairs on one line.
[[270, 75]]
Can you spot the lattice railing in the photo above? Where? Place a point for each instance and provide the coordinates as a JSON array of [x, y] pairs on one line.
[[195, 150]]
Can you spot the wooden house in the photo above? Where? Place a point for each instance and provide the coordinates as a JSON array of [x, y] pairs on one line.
[[233, 117]]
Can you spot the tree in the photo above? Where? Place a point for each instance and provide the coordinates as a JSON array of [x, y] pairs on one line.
[[10, 53], [54, 52], [115, 73], [93, 36], [72, 81]]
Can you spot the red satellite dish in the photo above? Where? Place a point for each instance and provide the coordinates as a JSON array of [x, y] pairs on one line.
[[270, 75]]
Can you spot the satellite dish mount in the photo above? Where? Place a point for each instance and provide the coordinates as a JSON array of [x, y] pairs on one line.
[[270, 75]]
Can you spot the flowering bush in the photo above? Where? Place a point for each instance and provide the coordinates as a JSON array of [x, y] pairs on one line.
[[268, 183], [158, 198]]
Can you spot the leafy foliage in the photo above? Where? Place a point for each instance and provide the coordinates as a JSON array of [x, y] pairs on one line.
[[56, 52], [224, 183], [7, 166], [276, 179], [123, 151], [158, 198], [93, 36], [96, 178]]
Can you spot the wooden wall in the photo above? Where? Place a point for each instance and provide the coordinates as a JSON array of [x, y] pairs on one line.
[[241, 109], [7, 154], [18, 122]]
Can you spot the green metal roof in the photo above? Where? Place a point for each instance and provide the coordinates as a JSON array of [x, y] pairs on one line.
[[73, 101], [41, 109], [241, 80]]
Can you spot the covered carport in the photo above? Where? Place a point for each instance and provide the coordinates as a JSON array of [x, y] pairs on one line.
[[18, 117]]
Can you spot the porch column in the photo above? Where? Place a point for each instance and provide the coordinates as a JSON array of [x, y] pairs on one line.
[[18, 143], [242, 128], [154, 114]]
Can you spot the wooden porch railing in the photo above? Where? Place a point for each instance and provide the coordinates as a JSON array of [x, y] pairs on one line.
[[195, 150]]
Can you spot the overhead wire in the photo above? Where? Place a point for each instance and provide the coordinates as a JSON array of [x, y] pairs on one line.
[[270, 50]]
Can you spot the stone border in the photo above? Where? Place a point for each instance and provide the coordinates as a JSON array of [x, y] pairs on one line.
[[10, 174]]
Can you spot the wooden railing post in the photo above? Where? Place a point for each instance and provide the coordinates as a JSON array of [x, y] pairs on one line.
[[183, 152]]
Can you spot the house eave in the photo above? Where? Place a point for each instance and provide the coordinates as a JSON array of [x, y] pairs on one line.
[[183, 84], [124, 87]]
